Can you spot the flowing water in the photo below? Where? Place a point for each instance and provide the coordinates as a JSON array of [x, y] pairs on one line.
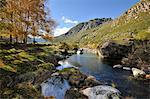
[[91, 64]]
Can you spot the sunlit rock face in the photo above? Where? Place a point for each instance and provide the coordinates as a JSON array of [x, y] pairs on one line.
[[101, 92], [137, 72], [55, 86]]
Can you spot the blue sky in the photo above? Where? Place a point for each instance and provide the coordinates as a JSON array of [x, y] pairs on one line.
[[68, 13]]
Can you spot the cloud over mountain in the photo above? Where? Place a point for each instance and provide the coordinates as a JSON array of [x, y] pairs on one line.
[[68, 20]]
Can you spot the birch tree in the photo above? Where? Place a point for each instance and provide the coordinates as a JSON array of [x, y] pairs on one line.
[[26, 17]]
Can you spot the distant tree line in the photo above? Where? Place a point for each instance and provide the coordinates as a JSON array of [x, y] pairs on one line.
[[20, 18]]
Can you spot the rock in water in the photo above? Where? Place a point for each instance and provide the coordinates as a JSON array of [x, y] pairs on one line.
[[117, 66], [79, 52], [113, 50], [55, 86], [61, 62], [102, 92], [126, 68], [137, 72]]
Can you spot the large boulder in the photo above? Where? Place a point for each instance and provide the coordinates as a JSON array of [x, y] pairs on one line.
[[74, 76], [101, 92], [55, 86], [114, 50], [77, 79]]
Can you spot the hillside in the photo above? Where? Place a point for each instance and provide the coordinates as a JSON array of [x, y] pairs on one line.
[[134, 23], [83, 27]]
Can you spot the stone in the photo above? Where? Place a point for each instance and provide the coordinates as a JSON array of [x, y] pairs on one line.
[[91, 81], [91, 78], [101, 92], [126, 68], [124, 60], [80, 51], [74, 94], [147, 76], [61, 62], [55, 86], [114, 50], [137, 72], [55, 74], [117, 66]]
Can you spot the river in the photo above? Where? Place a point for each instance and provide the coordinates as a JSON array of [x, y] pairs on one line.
[[91, 64]]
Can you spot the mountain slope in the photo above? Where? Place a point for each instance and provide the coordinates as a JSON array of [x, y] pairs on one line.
[[134, 23], [83, 27]]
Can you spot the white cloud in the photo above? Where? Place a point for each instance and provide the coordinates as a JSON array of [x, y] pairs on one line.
[[67, 20], [62, 30], [59, 31]]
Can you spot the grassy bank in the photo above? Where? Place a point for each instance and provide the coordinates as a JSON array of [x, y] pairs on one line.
[[24, 67]]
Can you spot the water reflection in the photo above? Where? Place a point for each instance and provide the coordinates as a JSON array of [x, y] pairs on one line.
[[92, 65]]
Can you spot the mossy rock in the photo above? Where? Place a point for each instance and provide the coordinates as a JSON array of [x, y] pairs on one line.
[[74, 94], [74, 76]]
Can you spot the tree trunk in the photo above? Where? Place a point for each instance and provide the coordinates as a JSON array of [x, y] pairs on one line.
[[34, 40], [25, 39], [16, 39], [1, 38], [10, 39]]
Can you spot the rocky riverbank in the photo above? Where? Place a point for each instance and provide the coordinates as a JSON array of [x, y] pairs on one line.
[[24, 69], [132, 55], [75, 85]]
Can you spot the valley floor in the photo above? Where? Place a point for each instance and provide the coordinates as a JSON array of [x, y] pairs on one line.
[[24, 67]]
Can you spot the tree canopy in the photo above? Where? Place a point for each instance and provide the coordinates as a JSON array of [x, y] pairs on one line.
[[25, 17]]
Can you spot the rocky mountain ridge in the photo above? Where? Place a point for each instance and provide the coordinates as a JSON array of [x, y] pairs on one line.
[[132, 24], [85, 26], [133, 12]]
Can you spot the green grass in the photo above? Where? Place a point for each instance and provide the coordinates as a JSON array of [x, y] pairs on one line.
[[22, 66]]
